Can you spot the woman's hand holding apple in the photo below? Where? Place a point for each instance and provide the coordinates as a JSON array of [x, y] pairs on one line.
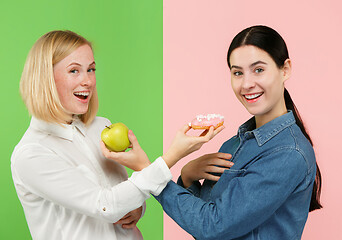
[[182, 145], [135, 159]]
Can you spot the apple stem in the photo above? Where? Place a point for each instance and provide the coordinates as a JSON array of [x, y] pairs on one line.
[[107, 127]]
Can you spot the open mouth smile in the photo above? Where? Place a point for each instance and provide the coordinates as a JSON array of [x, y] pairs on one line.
[[252, 97], [82, 95]]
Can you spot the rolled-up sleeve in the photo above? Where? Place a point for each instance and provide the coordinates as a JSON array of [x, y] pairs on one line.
[[152, 179]]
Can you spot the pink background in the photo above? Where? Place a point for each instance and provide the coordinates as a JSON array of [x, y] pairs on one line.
[[197, 34]]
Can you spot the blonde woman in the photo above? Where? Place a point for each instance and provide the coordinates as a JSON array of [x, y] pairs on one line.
[[67, 188]]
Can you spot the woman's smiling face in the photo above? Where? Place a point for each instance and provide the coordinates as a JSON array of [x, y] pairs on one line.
[[258, 83], [75, 80]]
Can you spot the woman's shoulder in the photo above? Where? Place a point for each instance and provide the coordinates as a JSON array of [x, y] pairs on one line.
[[31, 140], [292, 137], [29, 148], [302, 144], [292, 142]]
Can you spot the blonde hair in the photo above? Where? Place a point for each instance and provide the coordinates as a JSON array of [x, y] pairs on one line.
[[37, 84]]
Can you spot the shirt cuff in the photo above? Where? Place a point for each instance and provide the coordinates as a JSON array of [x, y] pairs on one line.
[[194, 188], [152, 179]]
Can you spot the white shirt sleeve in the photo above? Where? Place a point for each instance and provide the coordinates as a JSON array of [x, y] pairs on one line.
[[152, 179], [50, 177]]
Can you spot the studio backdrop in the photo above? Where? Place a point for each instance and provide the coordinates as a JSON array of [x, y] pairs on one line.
[[160, 63]]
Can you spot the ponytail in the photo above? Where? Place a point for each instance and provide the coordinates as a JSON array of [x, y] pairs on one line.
[[316, 192]]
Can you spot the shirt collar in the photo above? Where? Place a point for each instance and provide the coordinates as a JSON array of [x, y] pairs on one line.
[[65, 131], [268, 130]]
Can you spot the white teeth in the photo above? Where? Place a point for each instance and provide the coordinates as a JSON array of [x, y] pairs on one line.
[[82, 93], [252, 96]]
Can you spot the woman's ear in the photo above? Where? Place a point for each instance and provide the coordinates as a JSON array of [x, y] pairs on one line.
[[287, 69]]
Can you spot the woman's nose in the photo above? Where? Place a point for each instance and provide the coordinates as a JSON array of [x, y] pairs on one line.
[[248, 82], [86, 81]]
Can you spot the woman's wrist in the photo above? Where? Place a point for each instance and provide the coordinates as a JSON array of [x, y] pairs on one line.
[[187, 182], [170, 159], [144, 165]]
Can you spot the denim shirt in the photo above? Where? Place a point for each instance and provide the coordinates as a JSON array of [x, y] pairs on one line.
[[265, 195]]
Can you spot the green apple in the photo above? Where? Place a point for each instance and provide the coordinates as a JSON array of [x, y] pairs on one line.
[[115, 137]]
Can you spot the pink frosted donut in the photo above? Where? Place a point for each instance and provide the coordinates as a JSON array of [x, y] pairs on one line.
[[205, 121]]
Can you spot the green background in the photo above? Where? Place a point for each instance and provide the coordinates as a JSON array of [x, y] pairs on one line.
[[127, 38]]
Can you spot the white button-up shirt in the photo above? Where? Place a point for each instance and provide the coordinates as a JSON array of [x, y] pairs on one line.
[[69, 190]]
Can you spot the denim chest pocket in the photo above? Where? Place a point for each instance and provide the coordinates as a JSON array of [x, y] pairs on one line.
[[224, 181]]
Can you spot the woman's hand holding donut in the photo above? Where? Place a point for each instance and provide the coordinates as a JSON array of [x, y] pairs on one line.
[[135, 159], [204, 166], [182, 145]]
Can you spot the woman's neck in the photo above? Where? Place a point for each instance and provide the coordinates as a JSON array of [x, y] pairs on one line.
[[263, 119]]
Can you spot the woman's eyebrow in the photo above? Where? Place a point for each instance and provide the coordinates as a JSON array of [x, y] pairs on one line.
[[234, 66], [74, 63], [252, 65], [78, 64], [256, 63]]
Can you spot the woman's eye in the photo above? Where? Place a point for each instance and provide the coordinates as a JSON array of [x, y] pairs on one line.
[[259, 70], [74, 71], [237, 73], [92, 70]]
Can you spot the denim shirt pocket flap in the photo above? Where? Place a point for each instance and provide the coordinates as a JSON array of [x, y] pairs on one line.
[[225, 179], [232, 173]]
